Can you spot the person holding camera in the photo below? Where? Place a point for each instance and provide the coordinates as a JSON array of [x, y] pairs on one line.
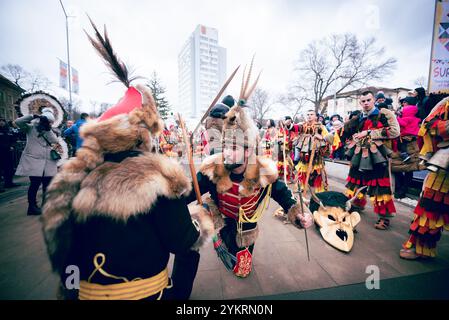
[[39, 158]]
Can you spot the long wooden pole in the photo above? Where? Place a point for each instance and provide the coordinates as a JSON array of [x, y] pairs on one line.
[[301, 201], [223, 88], [434, 28], [309, 168], [283, 153], [196, 186]]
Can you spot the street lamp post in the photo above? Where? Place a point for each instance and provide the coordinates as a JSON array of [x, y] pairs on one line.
[[68, 58]]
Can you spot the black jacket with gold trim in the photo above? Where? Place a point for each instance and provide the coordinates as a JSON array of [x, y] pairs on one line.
[[131, 209]]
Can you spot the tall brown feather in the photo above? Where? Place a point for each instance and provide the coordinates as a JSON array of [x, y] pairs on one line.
[[250, 91], [104, 49], [245, 95], [243, 84]]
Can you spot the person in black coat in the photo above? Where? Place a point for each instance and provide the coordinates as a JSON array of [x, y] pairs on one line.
[[7, 140]]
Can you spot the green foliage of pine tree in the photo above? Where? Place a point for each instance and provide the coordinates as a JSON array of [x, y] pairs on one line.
[[159, 96]]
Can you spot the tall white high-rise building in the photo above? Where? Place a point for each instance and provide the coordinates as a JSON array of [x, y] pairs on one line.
[[201, 71]]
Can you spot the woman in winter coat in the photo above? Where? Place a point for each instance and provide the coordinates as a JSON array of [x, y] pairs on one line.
[[36, 162], [407, 161]]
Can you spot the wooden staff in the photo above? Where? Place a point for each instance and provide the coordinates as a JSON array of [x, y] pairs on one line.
[[283, 153], [309, 168], [301, 201], [196, 185], [225, 85], [228, 259]]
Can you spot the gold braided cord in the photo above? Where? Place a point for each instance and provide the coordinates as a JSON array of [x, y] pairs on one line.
[[99, 267], [243, 218], [135, 289]]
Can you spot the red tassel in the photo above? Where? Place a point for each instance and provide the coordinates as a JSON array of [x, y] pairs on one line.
[[414, 225], [422, 230], [384, 182], [384, 207], [432, 215], [360, 202], [438, 197], [419, 210], [318, 182], [428, 193]]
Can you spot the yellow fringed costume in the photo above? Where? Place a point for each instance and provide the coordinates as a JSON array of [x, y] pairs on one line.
[[432, 212]]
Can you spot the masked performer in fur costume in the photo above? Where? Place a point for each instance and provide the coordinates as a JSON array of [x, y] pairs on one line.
[[287, 134], [371, 131], [116, 210], [432, 211], [312, 145], [240, 184]]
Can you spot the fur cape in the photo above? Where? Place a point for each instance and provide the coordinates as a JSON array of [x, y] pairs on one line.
[[260, 172], [87, 185], [140, 180]]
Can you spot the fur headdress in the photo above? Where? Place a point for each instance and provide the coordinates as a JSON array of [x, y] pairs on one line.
[[129, 123], [238, 126]]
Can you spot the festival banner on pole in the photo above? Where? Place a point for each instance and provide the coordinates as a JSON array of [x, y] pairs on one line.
[[75, 81], [439, 60], [63, 74]]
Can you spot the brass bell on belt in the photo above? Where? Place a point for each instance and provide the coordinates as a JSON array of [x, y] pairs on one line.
[[365, 162], [350, 150], [440, 160], [377, 157], [355, 161]]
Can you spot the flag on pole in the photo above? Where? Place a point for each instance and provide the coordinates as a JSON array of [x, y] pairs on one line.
[[63, 74], [75, 81]]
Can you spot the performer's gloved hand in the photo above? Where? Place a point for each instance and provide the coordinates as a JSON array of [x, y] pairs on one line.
[[197, 212], [306, 219], [202, 220], [298, 218]]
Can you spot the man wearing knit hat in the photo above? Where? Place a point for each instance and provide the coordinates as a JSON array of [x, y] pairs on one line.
[[214, 125], [229, 101]]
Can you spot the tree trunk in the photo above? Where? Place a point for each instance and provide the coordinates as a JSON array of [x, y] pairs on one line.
[[317, 106]]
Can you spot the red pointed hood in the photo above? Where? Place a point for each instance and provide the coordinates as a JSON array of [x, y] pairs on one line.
[[131, 100]]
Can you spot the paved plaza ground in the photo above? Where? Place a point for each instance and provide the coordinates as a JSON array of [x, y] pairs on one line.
[[281, 269]]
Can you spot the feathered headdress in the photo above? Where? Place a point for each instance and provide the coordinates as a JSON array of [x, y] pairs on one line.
[[129, 123], [245, 90], [238, 126]]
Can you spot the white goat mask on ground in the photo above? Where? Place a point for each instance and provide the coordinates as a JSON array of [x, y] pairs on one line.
[[337, 226]]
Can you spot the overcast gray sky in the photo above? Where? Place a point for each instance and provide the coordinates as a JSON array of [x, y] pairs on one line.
[[148, 35]]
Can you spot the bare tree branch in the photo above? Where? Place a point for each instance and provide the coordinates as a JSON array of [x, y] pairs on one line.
[[37, 81], [15, 72], [336, 63], [421, 82], [260, 104], [30, 81]]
